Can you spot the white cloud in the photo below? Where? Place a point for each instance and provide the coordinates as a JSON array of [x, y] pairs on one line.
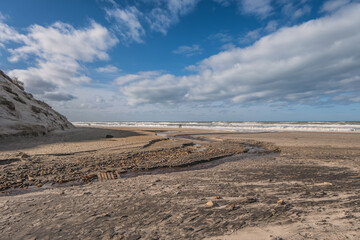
[[99, 99], [271, 26], [261, 8], [57, 51], [127, 23], [228, 46], [9, 34], [161, 18], [131, 23], [56, 96], [62, 39], [302, 11], [295, 11], [108, 69], [300, 64], [2, 17], [164, 89], [333, 5], [136, 77], [251, 36], [49, 75], [222, 37], [188, 50], [224, 3]]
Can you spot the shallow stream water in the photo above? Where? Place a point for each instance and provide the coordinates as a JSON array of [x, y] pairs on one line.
[[253, 152]]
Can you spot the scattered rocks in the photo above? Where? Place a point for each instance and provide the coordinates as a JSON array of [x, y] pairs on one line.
[[328, 183], [277, 238], [251, 200], [23, 155], [211, 204], [232, 207]]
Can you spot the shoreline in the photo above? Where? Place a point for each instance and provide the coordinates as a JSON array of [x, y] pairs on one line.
[[314, 174], [240, 127]]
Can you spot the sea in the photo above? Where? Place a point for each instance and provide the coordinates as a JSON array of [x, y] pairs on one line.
[[265, 126]]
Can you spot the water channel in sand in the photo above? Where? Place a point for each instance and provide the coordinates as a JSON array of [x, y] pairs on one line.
[[252, 152]]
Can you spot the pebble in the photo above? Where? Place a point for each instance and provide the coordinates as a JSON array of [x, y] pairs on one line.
[[251, 200], [211, 204]]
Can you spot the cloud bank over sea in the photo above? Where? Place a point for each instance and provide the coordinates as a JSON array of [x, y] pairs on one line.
[[189, 60]]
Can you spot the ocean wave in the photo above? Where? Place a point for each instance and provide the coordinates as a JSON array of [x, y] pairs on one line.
[[310, 126]]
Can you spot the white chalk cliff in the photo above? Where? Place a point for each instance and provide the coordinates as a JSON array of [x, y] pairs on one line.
[[21, 114]]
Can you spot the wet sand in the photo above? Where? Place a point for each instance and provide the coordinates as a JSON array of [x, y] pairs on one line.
[[239, 186]]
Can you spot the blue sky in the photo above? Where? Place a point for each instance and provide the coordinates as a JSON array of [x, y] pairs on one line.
[[215, 60]]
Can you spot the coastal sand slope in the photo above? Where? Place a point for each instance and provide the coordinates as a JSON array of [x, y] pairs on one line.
[[21, 114]]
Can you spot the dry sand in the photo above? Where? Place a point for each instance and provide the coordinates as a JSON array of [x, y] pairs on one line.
[[308, 190]]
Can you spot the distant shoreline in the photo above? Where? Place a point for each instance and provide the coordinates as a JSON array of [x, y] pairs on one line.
[[271, 126]]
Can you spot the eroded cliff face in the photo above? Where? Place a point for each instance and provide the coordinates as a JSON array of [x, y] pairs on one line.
[[21, 114]]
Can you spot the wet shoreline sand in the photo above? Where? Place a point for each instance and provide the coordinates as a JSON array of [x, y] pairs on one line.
[[310, 189]]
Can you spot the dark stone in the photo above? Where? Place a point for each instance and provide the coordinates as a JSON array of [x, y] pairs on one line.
[[109, 136], [251, 200]]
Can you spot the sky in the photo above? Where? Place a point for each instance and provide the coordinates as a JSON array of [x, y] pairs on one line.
[[187, 60]]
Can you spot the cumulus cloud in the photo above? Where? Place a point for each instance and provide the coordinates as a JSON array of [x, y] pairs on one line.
[[225, 39], [168, 12], [164, 89], [108, 69], [228, 46], [188, 50], [62, 39], [56, 96], [49, 75], [9, 34], [251, 36], [58, 51], [261, 8], [295, 11], [271, 26], [137, 77], [127, 23], [2, 17], [333, 5], [222, 37], [300, 64], [131, 23], [224, 3]]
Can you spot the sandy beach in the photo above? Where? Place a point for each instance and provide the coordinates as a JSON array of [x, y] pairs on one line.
[[180, 184]]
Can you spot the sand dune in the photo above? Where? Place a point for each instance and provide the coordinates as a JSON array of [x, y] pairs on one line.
[[21, 114]]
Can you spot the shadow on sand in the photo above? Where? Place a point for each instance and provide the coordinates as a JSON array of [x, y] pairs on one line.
[[79, 134]]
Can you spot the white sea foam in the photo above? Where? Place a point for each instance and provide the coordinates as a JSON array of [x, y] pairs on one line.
[[239, 126]]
